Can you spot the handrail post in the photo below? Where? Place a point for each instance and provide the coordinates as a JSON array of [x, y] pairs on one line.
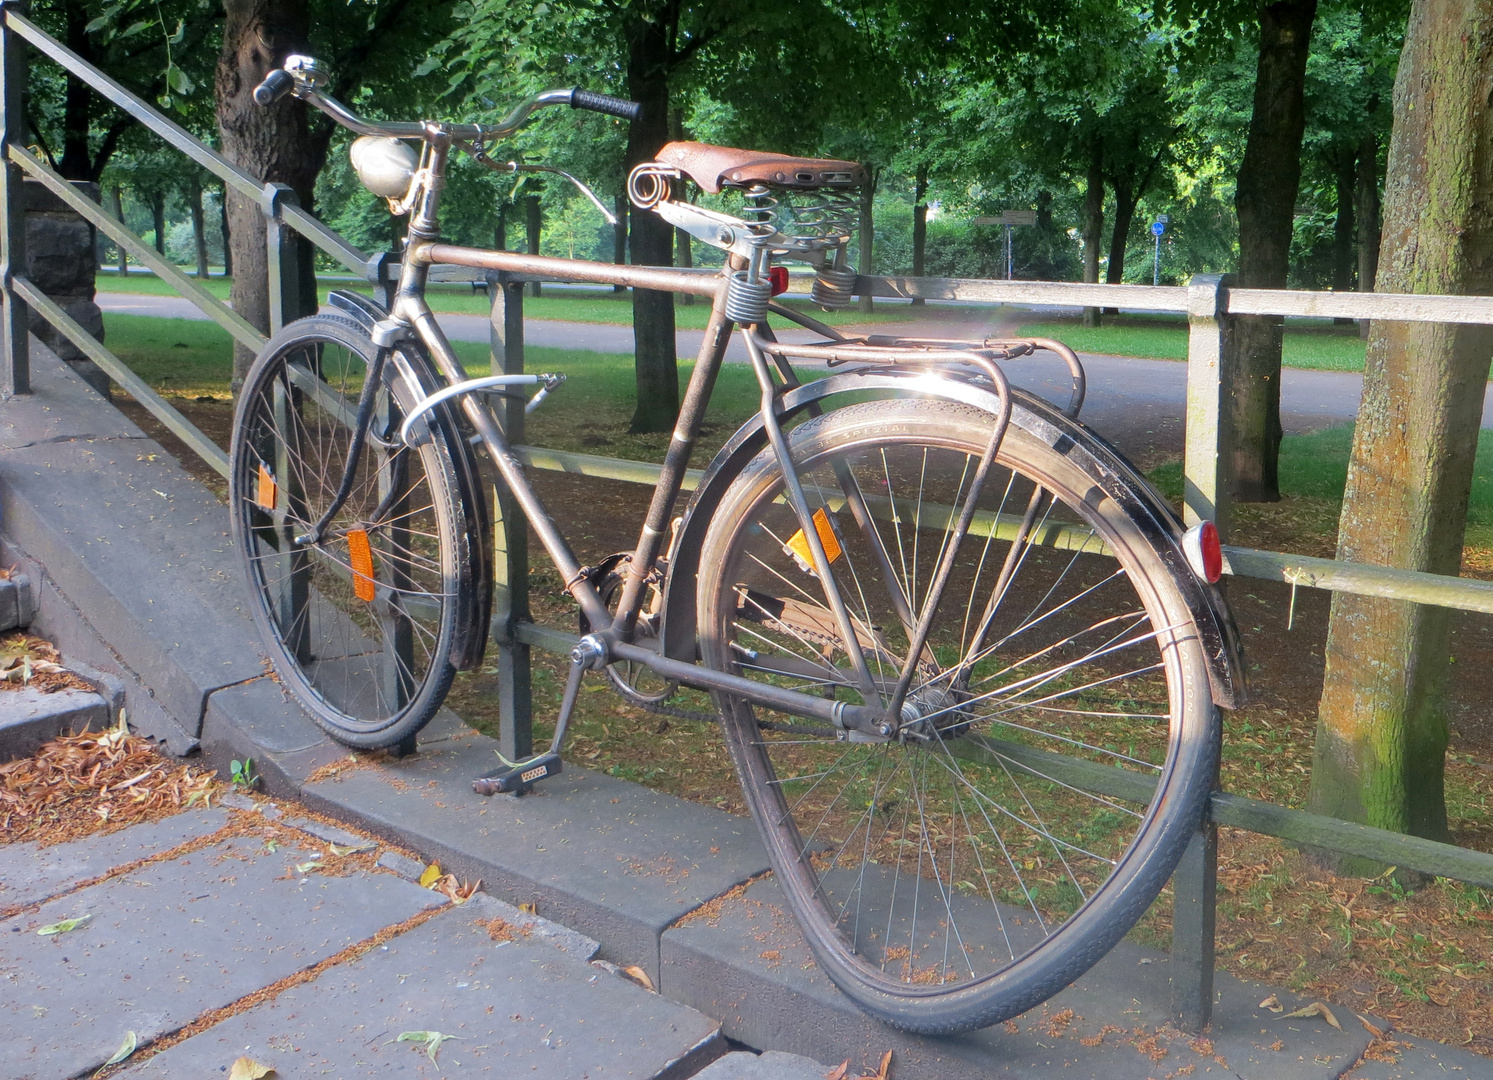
[[510, 532], [15, 369], [1211, 349], [282, 256]]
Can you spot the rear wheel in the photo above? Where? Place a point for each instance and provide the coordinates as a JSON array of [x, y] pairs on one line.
[[359, 619], [1055, 749]]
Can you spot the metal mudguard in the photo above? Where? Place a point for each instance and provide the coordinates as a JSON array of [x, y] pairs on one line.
[[1101, 461], [474, 612]]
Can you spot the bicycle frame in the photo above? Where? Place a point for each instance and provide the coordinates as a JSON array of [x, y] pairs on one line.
[[614, 641]]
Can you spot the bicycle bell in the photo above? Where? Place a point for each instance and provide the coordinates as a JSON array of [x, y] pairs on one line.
[[384, 165]]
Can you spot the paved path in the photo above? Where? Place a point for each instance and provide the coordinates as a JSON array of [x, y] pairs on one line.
[[241, 931], [1126, 395]]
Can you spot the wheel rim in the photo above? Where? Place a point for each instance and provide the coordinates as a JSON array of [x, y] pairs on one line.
[[360, 620], [937, 862]]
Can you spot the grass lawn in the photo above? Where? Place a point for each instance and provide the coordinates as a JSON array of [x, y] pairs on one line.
[[557, 304], [1309, 343]]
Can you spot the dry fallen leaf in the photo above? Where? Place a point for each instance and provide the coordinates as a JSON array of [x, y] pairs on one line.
[[126, 1048], [64, 926], [246, 1068], [431, 876], [307, 867], [1273, 1004], [639, 976], [350, 849], [529, 909], [839, 1071], [1316, 1008], [1372, 1030], [886, 1063]]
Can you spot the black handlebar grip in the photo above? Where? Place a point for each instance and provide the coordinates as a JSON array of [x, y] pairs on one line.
[[276, 85], [605, 103]]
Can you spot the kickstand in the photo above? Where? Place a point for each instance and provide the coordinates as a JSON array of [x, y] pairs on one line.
[[517, 777]]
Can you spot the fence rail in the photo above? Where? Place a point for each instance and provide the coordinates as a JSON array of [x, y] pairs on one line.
[[1209, 301]]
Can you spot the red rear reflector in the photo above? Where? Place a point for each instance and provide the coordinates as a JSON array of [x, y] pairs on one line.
[[778, 275], [1204, 551]]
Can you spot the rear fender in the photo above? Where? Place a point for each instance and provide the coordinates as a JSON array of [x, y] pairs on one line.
[[1101, 461]]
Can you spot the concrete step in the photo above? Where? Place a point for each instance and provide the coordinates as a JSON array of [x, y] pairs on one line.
[[515, 1000], [31, 717], [606, 857], [174, 939]]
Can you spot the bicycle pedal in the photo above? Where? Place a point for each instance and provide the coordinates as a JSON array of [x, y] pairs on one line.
[[520, 778]]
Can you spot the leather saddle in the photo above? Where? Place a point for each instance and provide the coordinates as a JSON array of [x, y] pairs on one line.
[[715, 167]]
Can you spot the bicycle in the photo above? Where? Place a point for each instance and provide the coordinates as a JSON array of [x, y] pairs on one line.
[[965, 660]]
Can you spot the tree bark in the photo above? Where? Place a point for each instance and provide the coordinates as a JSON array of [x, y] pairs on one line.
[[1344, 258], [158, 219], [1381, 732], [1265, 199], [223, 228], [650, 55], [77, 155], [919, 225], [1093, 223], [533, 228], [272, 143], [124, 256], [620, 208], [1368, 218], [199, 230], [865, 262]]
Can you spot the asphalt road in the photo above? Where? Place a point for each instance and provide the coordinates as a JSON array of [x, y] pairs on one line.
[[1137, 403]]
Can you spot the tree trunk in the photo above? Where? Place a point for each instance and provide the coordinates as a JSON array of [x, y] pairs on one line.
[[158, 219], [223, 228], [273, 144], [651, 238], [1368, 218], [533, 227], [1093, 223], [1344, 258], [620, 209], [1381, 731], [867, 238], [199, 230], [124, 256], [1265, 200], [77, 158], [1127, 198], [919, 225]]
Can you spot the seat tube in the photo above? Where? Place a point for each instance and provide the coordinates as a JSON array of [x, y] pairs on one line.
[[676, 460]]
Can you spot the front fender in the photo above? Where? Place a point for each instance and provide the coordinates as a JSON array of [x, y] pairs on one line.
[[1101, 461]]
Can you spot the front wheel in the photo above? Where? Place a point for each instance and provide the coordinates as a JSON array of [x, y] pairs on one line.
[[360, 617], [965, 869]]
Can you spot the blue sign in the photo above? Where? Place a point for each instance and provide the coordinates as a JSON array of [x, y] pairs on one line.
[[1157, 228]]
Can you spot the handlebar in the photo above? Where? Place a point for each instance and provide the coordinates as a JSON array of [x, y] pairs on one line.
[[302, 78]]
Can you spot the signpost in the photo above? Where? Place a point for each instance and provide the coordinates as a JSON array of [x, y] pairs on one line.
[[1009, 219], [1157, 228]]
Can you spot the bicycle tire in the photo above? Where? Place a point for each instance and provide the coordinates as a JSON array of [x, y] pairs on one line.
[[1025, 881], [359, 624]]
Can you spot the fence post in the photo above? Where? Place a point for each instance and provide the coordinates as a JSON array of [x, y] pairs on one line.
[[1194, 896], [15, 371], [282, 257], [510, 532], [1211, 346]]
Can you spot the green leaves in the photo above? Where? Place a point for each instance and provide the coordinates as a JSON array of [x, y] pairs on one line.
[[126, 1048], [431, 1039], [64, 927]]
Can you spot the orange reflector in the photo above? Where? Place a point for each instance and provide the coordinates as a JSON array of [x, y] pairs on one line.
[[360, 554], [265, 496], [798, 544]]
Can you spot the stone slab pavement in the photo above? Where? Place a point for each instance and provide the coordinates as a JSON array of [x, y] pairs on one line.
[[217, 936]]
